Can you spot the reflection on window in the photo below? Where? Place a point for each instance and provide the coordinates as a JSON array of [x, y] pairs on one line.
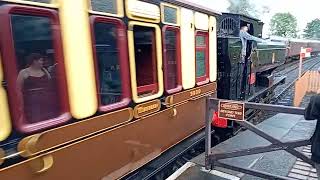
[[37, 81], [171, 58], [107, 6], [200, 41], [201, 54], [41, 1], [170, 15], [108, 63], [201, 65], [145, 58]]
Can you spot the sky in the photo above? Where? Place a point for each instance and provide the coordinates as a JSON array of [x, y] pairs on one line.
[[304, 10]]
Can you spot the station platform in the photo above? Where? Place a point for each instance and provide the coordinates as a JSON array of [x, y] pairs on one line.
[[284, 127]]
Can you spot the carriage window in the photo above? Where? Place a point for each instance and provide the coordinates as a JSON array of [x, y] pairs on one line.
[[107, 6], [37, 66], [170, 15], [171, 58], [107, 57], [145, 60], [202, 56]]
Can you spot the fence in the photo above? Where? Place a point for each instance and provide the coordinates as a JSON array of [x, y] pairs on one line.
[[212, 160], [308, 83]]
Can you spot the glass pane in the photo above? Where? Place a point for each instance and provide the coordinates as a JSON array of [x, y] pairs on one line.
[[171, 57], [145, 57], [200, 41], [37, 79], [41, 1], [201, 49], [108, 63], [108, 6], [200, 63], [170, 15]]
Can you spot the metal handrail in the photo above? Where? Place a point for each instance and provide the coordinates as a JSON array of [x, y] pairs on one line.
[[212, 159]]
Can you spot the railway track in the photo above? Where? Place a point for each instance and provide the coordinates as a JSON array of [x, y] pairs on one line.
[[282, 95], [292, 75]]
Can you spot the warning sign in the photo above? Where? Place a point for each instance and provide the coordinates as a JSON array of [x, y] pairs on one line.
[[231, 110]]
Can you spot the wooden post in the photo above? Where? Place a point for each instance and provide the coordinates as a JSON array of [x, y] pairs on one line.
[[300, 63]]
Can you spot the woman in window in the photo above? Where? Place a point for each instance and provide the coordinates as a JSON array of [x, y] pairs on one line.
[[36, 92]]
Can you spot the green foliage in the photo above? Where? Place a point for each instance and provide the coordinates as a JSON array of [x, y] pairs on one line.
[[312, 30], [284, 24], [242, 7]]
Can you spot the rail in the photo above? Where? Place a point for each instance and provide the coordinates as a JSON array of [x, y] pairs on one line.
[[212, 159]]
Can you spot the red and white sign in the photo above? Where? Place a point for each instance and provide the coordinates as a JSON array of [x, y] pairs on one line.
[[305, 52]]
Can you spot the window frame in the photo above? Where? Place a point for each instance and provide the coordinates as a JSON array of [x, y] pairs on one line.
[[162, 6], [158, 52], [52, 4], [178, 60], [119, 13], [123, 61], [153, 86], [11, 71], [202, 79]]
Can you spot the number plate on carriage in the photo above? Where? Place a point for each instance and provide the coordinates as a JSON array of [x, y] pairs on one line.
[[231, 110]]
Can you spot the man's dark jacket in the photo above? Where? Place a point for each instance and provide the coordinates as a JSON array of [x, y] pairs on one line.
[[313, 112]]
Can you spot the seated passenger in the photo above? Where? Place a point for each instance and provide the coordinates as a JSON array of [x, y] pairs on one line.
[[313, 112], [35, 88]]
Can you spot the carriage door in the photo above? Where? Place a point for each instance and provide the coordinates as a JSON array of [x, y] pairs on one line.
[[145, 51]]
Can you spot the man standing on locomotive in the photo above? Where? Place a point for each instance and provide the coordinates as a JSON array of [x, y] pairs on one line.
[[245, 37]]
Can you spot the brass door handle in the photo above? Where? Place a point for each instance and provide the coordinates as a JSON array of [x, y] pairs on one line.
[[28, 145], [2, 154], [174, 112], [42, 164]]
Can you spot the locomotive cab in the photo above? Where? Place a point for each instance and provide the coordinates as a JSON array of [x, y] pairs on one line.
[[245, 77], [232, 73]]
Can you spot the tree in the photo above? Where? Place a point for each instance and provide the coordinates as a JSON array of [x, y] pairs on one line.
[[312, 30], [242, 7], [284, 24]]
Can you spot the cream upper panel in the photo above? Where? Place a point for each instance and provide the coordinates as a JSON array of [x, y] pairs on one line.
[[213, 48], [143, 11], [187, 48], [44, 3], [201, 21], [78, 54], [5, 120]]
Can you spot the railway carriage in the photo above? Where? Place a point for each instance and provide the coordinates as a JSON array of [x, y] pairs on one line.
[[95, 89], [294, 46], [315, 47], [124, 82]]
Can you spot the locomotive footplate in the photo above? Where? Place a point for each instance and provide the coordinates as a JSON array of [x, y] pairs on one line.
[[265, 79]]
